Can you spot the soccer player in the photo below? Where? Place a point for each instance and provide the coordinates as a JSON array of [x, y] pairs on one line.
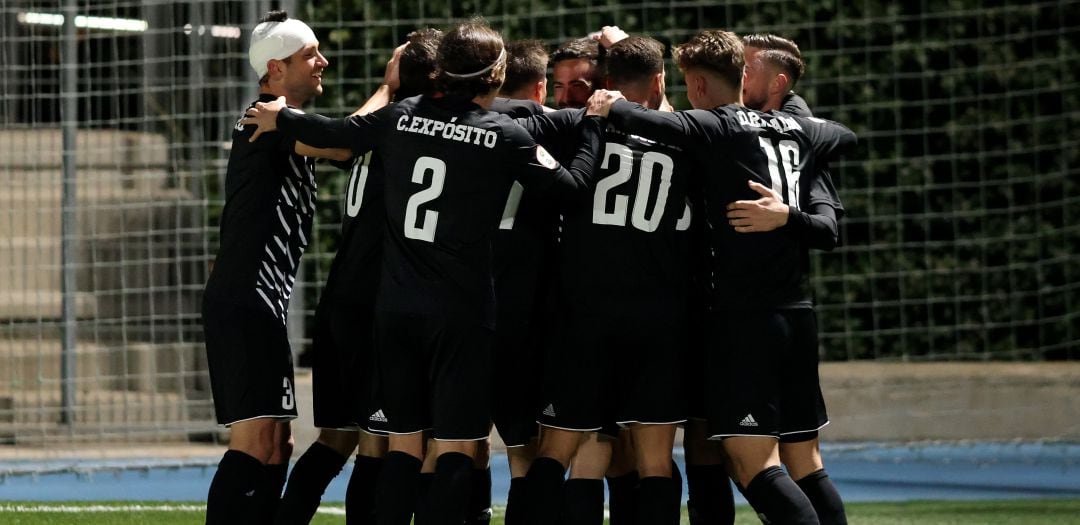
[[526, 71], [621, 310], [773, 66], [449, 166], [762, 322], [343, 338], [575, 72], [265, 226]]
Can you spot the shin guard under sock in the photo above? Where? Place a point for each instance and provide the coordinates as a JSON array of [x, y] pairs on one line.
[[395, 492], [360, 494], [231, 498], [583, 502], [622, 502], [268, 493], [711, 499], [545, 491], [479, 510], [778, 500], [821, 492], [658, 501], [315, 469], [516, 499], [448, 497]]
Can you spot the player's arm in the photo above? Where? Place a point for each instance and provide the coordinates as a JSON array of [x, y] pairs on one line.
[[815, 228], [542, 171], [356, 133], [548, 127], [830, 139], [680, 127]]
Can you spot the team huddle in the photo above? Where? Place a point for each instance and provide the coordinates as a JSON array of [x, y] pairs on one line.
[[585, 279]]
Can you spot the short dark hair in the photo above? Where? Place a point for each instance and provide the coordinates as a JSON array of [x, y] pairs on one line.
[[633, 59], [585, 48], [469, 47], [526, 63], [273, 16], [780, 52], [720, 52], [417, 63]]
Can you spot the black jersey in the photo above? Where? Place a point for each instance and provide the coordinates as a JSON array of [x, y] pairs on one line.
[[354, 272], [516, 108], [732, 145], [623, 246], [449, 166], [266, 223]]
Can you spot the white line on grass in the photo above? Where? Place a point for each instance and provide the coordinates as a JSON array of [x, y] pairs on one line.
[[74, 509]]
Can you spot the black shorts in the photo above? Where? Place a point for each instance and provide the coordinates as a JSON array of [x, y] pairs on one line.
[[342, 345], [518, 379], [696, 342], [764, 367], [622, 369], [250, 362], [433, 373]]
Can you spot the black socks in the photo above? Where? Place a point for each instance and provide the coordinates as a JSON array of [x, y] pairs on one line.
[[479, 511], [583, 502], [778, 500], [310, 476], [396, 489], [821, 492], [711, 499], [268, 492], [622, 501], [360, 494], [232, 492], [545, 489], [449, 494], [516, 500], [658, 501]]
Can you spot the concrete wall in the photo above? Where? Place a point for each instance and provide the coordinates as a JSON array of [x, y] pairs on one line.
[[908, 402]]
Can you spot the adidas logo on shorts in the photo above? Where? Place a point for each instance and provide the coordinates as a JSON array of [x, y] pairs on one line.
[[378, 416], [748, 421], [550, 411]]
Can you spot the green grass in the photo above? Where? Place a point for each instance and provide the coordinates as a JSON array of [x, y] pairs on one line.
[[1011, 512]]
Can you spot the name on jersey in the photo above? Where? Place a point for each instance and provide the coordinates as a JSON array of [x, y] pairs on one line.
[[448, 130], [779, 123]]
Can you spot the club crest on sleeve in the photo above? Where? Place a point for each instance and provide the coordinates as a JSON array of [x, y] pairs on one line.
[[545, 159]]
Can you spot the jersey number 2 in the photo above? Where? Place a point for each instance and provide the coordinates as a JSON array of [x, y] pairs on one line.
[[425, 231]]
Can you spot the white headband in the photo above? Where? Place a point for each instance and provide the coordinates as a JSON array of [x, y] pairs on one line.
[[497, 61], [277, 41]]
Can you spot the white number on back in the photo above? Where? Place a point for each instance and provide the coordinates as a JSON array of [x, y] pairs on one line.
[[787, 153], [426, 230], [354, 192], [638, 218]]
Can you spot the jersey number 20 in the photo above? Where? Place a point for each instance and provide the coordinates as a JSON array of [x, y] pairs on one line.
[[425, 231], [638, 218]]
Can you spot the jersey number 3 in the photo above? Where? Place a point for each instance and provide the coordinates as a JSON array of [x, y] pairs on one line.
[[425, 230]]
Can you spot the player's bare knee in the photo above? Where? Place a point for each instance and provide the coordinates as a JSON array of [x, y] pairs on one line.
[[371, 445]]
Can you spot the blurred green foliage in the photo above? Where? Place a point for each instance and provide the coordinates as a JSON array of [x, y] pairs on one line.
[[961, 239]]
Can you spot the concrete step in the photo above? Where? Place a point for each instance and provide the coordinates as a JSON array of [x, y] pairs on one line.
[[43, 305], [109, 149], [33, 364]]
